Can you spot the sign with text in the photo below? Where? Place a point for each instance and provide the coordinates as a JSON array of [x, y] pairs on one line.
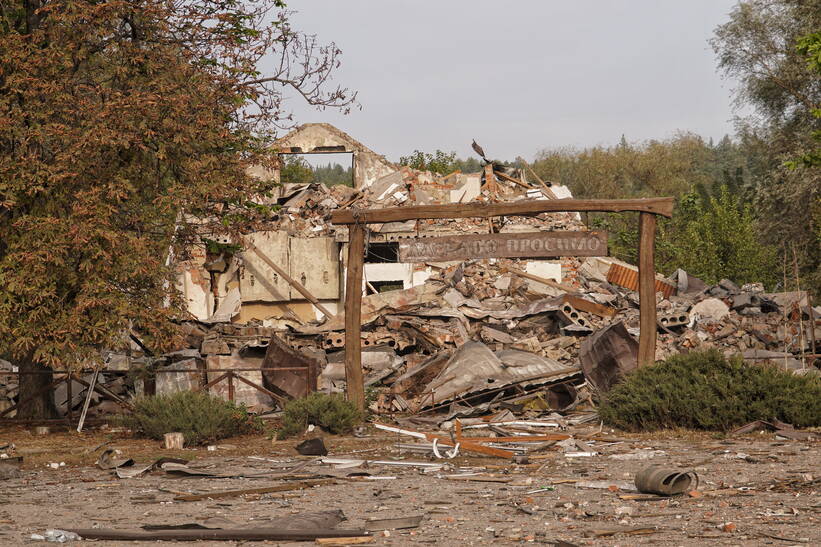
[[521, 245]]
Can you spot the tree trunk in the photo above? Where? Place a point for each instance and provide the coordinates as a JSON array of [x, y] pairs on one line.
[[32, 17], [40, 405]]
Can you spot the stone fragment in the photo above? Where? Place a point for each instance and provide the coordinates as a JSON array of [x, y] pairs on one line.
[[711, 308]]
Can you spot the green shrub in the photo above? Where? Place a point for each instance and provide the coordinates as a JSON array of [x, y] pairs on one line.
[[200, 417], [330, 412], [707, 391]]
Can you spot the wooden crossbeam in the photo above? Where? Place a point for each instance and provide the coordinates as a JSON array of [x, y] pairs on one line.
[[656, 206]]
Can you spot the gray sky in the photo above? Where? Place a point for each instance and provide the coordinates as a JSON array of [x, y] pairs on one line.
[[521, 76]]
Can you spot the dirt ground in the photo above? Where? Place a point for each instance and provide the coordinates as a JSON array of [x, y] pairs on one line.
[[755, 490]]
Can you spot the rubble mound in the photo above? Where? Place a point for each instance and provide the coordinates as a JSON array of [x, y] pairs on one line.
[[705, 390]]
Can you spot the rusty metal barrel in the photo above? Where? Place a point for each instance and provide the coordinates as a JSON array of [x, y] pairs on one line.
[[666, 481]]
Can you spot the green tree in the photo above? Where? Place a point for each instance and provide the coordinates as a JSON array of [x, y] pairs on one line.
[[441, 162], [769, 47], [713, 232], [810, 46], [127, 130], [716, 237], [295, 170], [438, 162], [333, 174]]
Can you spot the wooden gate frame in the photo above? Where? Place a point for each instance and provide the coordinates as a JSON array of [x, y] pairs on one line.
[[357, 219]]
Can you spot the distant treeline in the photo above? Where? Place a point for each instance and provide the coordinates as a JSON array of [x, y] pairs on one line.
[[296, 170]]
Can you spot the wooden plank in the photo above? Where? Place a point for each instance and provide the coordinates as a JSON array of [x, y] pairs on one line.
[[508, 178], [271, 394], [294, 283], [215, 534], [526, 245], [358, 540], [515, 438], [589, 306], [539, 279], [398, 523], [355, 384], [286, 487], [102, 390], [647, 289], [479, 478], [656, 206], [545, 187]]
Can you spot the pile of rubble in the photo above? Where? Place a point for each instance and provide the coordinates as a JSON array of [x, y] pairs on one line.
[[474, 335], [449, 335], [486, 333], [484, 329]]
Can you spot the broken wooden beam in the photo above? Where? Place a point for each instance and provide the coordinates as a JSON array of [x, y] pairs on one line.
[[353, 540], [218, 534], [656, 206], [545, 281], [286, 487], [515, 438], [508, 178], [545, 186]]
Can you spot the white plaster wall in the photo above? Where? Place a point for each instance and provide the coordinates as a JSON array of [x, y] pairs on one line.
[[199, 299], [389, 271], [545, 268], [332, 306]]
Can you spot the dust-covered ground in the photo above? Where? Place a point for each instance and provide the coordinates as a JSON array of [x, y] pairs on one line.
[[755, 490]]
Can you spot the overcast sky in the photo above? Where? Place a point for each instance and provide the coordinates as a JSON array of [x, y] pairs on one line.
[[521, 76]]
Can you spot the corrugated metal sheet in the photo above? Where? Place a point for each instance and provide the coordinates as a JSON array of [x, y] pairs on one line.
[[474, 367], [629, 278]]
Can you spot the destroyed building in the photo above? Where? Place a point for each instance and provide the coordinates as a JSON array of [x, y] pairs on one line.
[[534, 332]]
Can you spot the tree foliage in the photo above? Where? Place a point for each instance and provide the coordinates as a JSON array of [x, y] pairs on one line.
[[717, 238], [768, 47], [113, 116], [713, 233], [440, 162], [810, 47], [295, 170]]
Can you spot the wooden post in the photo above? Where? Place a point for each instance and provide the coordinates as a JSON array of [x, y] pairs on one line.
[[647, 289], [173, 441], [70, 395], [353, 317], [231, 386]]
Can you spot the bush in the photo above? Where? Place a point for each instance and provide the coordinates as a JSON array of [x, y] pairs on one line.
[[198, 416], [707, 391], [330, 412]]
